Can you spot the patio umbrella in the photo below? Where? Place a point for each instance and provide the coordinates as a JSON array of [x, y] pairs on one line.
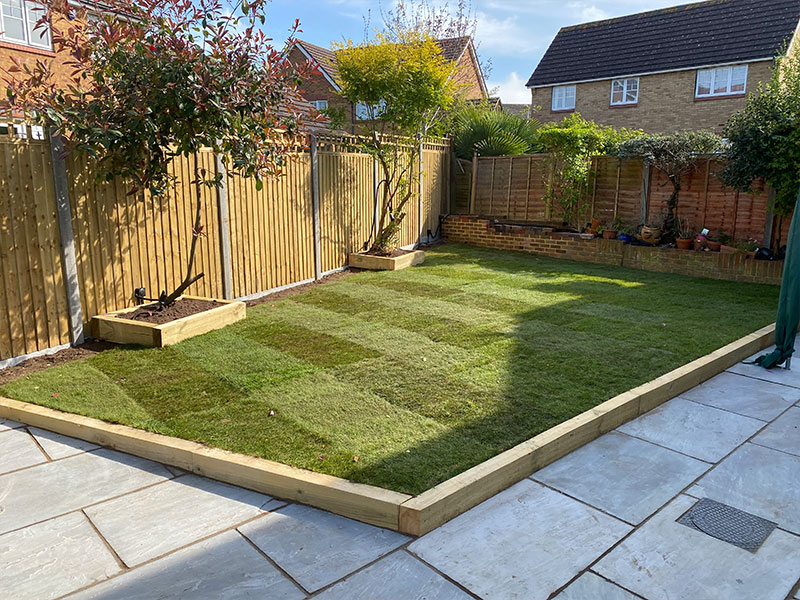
[[789, 304]]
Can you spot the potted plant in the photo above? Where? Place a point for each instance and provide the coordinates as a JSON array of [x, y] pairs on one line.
[[726, 242], [612, 232], [599, 231], [683, 236], [650, 233], [714, 244], [626, 234]]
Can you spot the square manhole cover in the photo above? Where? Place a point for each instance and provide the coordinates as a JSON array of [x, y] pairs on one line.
[[728, 524]]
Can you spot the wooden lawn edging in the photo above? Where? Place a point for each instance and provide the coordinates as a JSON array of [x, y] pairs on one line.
[[413, 515]]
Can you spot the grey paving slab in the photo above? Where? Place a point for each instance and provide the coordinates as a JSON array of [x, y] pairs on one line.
[[758, 480], [60, 446], [53, 558], [6, 424], [621, 475], [55, 488], [698, 430], [161, 518], [526, 542], [744, 395], [398, 576], [317, 548], [591, 587], [777, 375], [224, 566], [664, 560], [18, 450], [783, 433]]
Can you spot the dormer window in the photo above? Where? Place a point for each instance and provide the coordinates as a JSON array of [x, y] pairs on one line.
[[18, 19]]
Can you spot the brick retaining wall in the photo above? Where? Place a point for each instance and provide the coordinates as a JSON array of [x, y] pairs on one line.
[[480, 231]]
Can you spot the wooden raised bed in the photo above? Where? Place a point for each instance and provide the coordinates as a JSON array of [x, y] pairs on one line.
[[112, 328], [385, 263]]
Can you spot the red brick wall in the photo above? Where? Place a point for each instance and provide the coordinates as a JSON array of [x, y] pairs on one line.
[[483, 232]]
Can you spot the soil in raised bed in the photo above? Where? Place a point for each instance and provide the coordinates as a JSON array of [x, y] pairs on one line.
[[184, 307]]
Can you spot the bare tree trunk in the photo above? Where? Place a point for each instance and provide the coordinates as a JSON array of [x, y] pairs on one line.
[[196, 233]]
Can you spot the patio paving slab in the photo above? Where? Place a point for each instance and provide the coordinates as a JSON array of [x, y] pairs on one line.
[[664, 560], [60, 446], [317, 548], [55, 488], [695, 429], [783, 433], [53, 558], [158, 519], [224, 566], [744, 395], [758, 480], [592, 587], [398, 576], [525, 542], [19, 451], [777, 375], [624, 476], [6, 424]]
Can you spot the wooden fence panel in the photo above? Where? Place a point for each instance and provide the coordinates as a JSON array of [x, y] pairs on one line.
[[33, 313], [435, 177]]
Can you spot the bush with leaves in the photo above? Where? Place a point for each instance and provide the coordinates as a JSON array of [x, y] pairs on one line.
[[404, 81], [156, 79], [570, 145], [764, 138], [491, 132], [675, 155]]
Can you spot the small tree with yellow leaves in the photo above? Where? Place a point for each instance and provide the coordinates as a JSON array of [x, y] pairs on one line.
[[399, 84]]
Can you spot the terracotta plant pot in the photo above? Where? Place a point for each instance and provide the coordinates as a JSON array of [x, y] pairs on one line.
[[697, 245], [651, 235], [684, 244], [714, 246], [610, 234], [596, 223]]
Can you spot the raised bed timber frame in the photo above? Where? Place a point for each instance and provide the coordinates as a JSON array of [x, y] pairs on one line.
[[385, 263], [112, 328], [415, 515]]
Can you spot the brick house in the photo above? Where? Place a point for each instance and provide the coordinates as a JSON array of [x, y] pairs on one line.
[[323, 91], [679, 68]]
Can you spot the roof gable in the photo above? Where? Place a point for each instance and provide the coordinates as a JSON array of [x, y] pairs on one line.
[[681, 37]]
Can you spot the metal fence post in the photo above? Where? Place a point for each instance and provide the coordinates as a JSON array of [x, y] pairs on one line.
[[224, 229], [68, 258], [315, 209]]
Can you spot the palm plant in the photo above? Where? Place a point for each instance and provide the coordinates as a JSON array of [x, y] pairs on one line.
[[494, 133]]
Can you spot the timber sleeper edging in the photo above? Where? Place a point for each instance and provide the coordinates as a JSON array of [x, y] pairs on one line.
[[413, 515]]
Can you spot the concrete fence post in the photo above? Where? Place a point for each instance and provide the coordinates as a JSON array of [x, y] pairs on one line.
[[68, 259], [376, 184], [224, 229], [315, 209], [473, 187], [420, 192]]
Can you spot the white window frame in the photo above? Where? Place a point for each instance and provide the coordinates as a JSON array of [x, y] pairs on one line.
[[32, 38], [319, 104], [726, 72], [560, 101], [627, 84], [363, 110]]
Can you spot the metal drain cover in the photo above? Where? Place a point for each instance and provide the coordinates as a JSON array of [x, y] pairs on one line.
[[728, 524]]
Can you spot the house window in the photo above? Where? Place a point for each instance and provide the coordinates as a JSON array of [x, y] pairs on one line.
[[725, 81], [624, 91], [18, 20], [564, 97], [319, 104], [365, 112]]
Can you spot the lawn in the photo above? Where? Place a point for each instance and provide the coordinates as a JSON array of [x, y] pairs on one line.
[[403, 379]]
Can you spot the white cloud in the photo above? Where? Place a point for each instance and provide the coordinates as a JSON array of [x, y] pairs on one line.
[[512, 90], [505, 37], [588, 11]]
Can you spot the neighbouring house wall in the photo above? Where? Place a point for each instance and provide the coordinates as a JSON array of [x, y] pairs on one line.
[[479, 231], [666, 103], [316, 87], [468, 78]]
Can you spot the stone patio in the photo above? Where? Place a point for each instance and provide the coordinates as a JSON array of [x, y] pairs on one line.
[[79, 521]]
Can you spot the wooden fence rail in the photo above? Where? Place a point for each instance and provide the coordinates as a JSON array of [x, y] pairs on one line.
[[514, 188], [256, 241]]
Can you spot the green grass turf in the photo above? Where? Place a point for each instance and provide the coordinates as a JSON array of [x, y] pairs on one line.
[[420, 373]]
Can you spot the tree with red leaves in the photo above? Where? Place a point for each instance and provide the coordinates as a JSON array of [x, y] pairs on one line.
[[155, 79]]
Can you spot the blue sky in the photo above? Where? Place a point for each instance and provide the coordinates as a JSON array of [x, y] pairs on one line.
[[513, 33]]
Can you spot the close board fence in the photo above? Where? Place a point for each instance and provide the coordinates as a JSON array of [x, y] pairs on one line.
[[71, 247], [514, 188]]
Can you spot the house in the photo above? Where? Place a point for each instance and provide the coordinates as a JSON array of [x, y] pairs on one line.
[[522, 110], [322, 89], [679, 68]]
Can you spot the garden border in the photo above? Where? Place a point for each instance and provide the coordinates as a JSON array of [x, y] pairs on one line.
[[415, 515]]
